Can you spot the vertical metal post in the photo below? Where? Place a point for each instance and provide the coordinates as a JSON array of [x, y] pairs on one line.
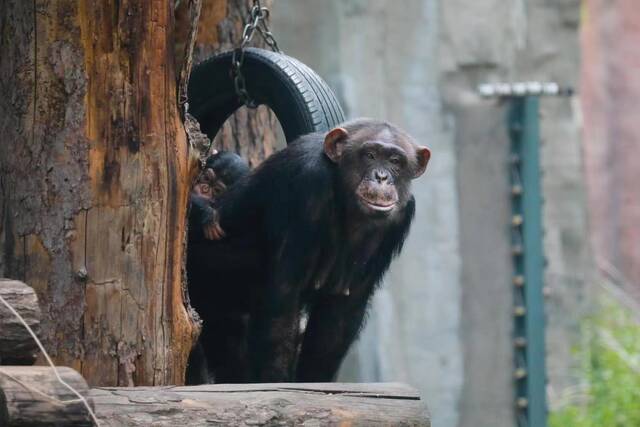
[[528, 262], [526, 234]]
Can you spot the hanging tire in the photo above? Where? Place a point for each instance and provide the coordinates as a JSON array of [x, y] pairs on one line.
[[300, 99]]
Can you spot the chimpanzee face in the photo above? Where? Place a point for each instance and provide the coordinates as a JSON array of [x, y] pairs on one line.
[[377, 164], [209, 185], [382, 168]]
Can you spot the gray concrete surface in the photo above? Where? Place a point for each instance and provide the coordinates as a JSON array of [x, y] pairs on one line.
[[486, 306], [442, 320]]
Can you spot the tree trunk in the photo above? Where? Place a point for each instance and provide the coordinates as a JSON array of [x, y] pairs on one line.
[[254, 134], [94, 168]]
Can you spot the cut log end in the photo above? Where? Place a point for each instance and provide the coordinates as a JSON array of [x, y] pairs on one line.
[[17, 347], [33, 396]]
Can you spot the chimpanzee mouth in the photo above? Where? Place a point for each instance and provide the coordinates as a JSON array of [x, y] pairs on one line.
[[377, 206]]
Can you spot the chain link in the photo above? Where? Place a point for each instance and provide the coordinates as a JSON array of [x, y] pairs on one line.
[[257, 20]]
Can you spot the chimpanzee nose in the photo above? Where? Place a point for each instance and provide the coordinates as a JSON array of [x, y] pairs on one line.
[[381, 176]]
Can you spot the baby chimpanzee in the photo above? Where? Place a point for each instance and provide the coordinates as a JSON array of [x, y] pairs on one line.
[[222, 169], [221, 275]]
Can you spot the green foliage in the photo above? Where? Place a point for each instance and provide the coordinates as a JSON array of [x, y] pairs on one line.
[[610, 369]]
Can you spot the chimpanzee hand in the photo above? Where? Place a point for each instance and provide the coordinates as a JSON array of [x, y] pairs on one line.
[[204, 216], [212, 229]]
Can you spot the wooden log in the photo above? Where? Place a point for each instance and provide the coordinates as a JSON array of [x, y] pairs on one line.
[[17, 347], [261, 404], [24, 401]]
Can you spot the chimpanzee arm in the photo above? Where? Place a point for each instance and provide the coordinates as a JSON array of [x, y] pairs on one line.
[[336, 320], [201, 211], [275, 331], [333, 325], [273, 340]]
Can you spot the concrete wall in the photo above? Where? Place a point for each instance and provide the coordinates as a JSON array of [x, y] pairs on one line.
[[442, 321]]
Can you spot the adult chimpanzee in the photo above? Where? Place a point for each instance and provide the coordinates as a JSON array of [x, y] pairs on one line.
[[221, 276], [330, 211]]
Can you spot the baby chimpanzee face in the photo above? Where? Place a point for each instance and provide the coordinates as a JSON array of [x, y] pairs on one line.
[[209, 185], [222, 169]]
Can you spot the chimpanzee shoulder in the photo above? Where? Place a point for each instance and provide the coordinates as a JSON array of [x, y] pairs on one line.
[[279, 189], [304, 156]]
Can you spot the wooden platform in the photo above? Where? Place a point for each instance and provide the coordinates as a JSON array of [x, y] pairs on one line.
[[33, 396]]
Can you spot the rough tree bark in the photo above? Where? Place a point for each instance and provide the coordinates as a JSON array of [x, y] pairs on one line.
[[94, 168], [251, 133]]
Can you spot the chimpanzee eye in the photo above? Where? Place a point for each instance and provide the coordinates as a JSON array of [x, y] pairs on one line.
[[395, 160], [370, 155]]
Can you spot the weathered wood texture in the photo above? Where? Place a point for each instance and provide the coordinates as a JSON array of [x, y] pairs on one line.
[[16, 344], [262, 404], [94, 183], [251, 133], [21, 403]]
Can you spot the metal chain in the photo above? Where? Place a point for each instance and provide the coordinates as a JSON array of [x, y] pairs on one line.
[[256, 21]]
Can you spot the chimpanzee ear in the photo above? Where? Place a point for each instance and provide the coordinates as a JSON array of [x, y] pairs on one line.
[[334, 143], [423, 154]]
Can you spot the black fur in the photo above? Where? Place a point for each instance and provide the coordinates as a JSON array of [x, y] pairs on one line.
[[221, 277], [319, 254], [229, 167]]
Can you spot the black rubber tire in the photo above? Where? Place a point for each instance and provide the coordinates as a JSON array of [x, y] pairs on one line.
[[300, 99]]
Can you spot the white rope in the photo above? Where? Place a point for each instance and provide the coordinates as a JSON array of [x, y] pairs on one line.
[[81, 398]]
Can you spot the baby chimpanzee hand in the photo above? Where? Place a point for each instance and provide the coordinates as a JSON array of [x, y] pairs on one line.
[[212, 229], [223, 169]]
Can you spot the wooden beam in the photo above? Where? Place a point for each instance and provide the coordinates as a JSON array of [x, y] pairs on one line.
[[32, 396], [17, 347], [262, 404]]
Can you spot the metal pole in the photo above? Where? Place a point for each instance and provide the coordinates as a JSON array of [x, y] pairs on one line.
[[528, 262]]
